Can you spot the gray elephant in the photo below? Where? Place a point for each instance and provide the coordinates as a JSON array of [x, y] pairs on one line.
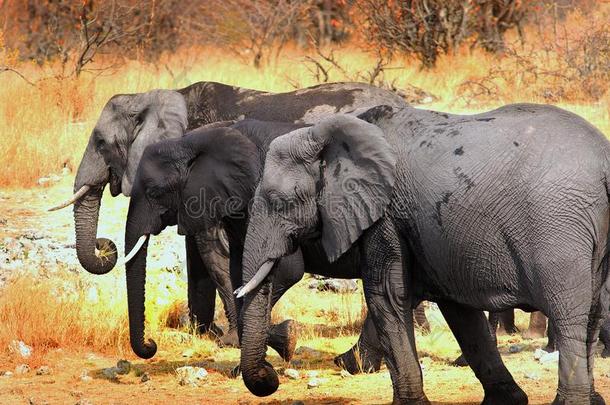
[[203, 181], [130, 122], [505, 209]]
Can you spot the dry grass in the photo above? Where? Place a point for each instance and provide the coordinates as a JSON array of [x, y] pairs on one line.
[[45, 127]]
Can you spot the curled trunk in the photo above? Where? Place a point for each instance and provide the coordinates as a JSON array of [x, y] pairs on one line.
[[259, 376], [96, 255]]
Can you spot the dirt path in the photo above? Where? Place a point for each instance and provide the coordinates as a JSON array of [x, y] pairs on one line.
[[444, 384]]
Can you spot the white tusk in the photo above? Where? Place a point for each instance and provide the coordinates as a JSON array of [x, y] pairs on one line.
[[83, 190], [256, 280], [135, 249], [222, 237]]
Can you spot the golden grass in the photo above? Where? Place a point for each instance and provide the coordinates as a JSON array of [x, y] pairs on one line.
[[46, 127]]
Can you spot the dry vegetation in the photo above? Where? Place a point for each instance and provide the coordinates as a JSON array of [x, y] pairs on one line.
[[46, 117]]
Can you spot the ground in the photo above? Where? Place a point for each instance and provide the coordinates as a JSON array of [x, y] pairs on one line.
[[327, 328]]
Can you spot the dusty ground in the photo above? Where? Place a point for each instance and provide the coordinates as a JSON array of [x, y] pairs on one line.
[[22, 213]]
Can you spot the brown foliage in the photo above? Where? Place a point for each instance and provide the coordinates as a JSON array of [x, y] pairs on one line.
[[427, 28]]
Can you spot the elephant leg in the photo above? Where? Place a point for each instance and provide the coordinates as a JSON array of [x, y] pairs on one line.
[[283, 337], [571, 336], [471, 330], [537, 326], [421, 321], [365, 356], [593, 329], [604, 336], [551, 346], [218, 269], [388, 296], [201, 290], [507, 322], [492, 324]]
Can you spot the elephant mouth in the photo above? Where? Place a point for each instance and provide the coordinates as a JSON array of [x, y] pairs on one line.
[[115, 183]]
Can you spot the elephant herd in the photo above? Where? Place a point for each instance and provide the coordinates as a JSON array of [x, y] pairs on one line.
[[488, 212]]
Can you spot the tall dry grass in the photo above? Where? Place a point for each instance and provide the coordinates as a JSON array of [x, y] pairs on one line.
[[45, 127]]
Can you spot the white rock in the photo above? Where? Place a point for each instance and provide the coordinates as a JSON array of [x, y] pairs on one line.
[[292, 374], [549, 358], [532, 376], [84, 376], [7, 374], [313, 374], [345, 374], [20, 348], [315, 382], [538, 353], [192, 376], [22, 369]]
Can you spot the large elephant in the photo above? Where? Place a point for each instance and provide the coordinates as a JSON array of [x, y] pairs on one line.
[[130, 122], [204, 181], [504, 209]]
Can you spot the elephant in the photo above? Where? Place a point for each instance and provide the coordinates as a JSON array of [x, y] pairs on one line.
[[130, 122], [204, 181], [503, 209]]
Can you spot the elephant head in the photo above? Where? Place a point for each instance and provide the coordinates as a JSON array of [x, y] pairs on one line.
[[331, 181], [128, 123], [193, 182]]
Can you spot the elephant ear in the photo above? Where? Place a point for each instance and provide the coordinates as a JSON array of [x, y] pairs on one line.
[[220, 180], [357, 182], [159, 115]]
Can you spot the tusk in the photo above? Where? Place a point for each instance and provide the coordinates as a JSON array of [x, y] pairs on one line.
[[135, 249], [256, 280], [222, 237], [83, 190]]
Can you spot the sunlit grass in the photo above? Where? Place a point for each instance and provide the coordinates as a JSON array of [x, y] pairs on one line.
[[46, 127]]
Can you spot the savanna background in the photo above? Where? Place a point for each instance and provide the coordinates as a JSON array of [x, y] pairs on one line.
[[61, 60]]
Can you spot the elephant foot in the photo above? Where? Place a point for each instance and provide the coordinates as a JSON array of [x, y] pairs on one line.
[[550, 348], [605, 353], [283, 339], [230, 339], [418, 401], [597, 399], [504, 393], [533, 334], [359, 360], [212, 329], [593, 398], [460, 361]]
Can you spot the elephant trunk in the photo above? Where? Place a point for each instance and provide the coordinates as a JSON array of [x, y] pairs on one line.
[[264, 244], [96, 255], [259, 376], [136, 283]]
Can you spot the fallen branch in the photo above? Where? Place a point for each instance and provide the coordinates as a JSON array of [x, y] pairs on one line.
[[9, 69]]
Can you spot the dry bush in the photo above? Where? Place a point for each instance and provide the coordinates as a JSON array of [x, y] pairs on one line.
[[569, 62], [427, 28], [42, 315], [253, 28], [78, 312]]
